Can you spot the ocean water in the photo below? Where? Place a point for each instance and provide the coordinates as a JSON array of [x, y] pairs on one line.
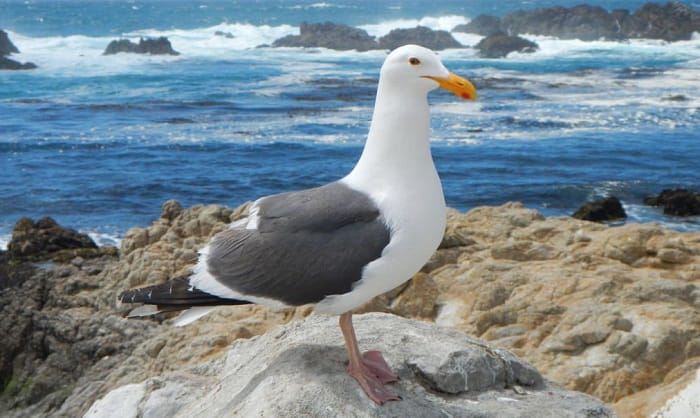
[[100, 142]]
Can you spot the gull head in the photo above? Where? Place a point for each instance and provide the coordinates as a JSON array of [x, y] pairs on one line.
[[416, 67]]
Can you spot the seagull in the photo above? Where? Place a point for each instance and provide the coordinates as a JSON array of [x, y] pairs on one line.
[[338, 245]]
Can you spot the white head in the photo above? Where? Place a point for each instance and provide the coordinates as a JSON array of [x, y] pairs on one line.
[[413, 66]]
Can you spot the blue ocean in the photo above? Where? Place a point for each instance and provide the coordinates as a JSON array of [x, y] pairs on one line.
[[100, 142]]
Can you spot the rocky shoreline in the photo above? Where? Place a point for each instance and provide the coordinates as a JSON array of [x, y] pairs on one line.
[[612, 312], [670, 22]]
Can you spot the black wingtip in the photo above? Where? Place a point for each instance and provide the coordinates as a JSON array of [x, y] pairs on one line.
[[175, 294]]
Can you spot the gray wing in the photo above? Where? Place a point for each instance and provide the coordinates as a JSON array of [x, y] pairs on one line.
[[308, 245]]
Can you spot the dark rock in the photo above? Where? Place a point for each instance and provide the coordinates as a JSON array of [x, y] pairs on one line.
[[607, 209], [671, 22], [484, 25], [39, 240], [58, 325], [227, 35], [420, 35], [12, 273], [677, 202], [8, 64], [6, 45], [328, 35], [7, 48], [676, 98], [499, 45], [581, 22], [158, 46]]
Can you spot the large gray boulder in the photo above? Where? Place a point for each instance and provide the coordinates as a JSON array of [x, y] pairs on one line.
[[328, 35], [299, 370], [671, 22], [581, 22], [500, 45], [484, 25], [434, 39]]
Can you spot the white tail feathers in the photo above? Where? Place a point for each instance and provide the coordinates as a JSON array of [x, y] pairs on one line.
[[192, 314], [144, 310]]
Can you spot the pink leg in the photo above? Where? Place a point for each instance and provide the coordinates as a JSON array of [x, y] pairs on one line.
[[370, 370]]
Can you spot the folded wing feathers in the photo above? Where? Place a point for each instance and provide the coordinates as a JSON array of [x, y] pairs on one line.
[[173, 295]]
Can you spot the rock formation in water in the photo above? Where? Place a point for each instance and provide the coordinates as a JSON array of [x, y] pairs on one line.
[[608, 209], [500, 45], [676, 202], [156, 46], [329, 35], [420, 35], [8, 48], [671, 22]]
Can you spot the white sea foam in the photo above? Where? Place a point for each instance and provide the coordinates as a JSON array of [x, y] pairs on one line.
[[204, 42], [81, 54], [320, 5], [467, 39], [104, 238], [573, 48], [640, 213], [4, 240], [446, 23]]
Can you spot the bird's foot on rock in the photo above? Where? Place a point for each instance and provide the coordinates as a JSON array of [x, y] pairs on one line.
[[371, 383], [372, 373], [375, 363]]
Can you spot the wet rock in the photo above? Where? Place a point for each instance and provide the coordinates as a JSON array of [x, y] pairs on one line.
[[581, 22], [7, 48], [6, 45], [500, 45], [44, 238], [484, 25], [433, 39], [672, 22], [677, 202], [607, 209], [328, 35], [227, 35], [152, 46], [9, 64]]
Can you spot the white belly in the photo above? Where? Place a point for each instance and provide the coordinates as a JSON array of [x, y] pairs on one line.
[[416, 216]]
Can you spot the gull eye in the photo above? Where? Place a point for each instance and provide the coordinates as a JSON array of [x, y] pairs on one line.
[[414, 61]]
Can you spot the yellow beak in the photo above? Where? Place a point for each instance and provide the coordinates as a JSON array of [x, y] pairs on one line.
[[457, 85]]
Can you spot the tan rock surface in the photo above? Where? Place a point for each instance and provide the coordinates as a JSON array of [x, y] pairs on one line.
[[610, 311]]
